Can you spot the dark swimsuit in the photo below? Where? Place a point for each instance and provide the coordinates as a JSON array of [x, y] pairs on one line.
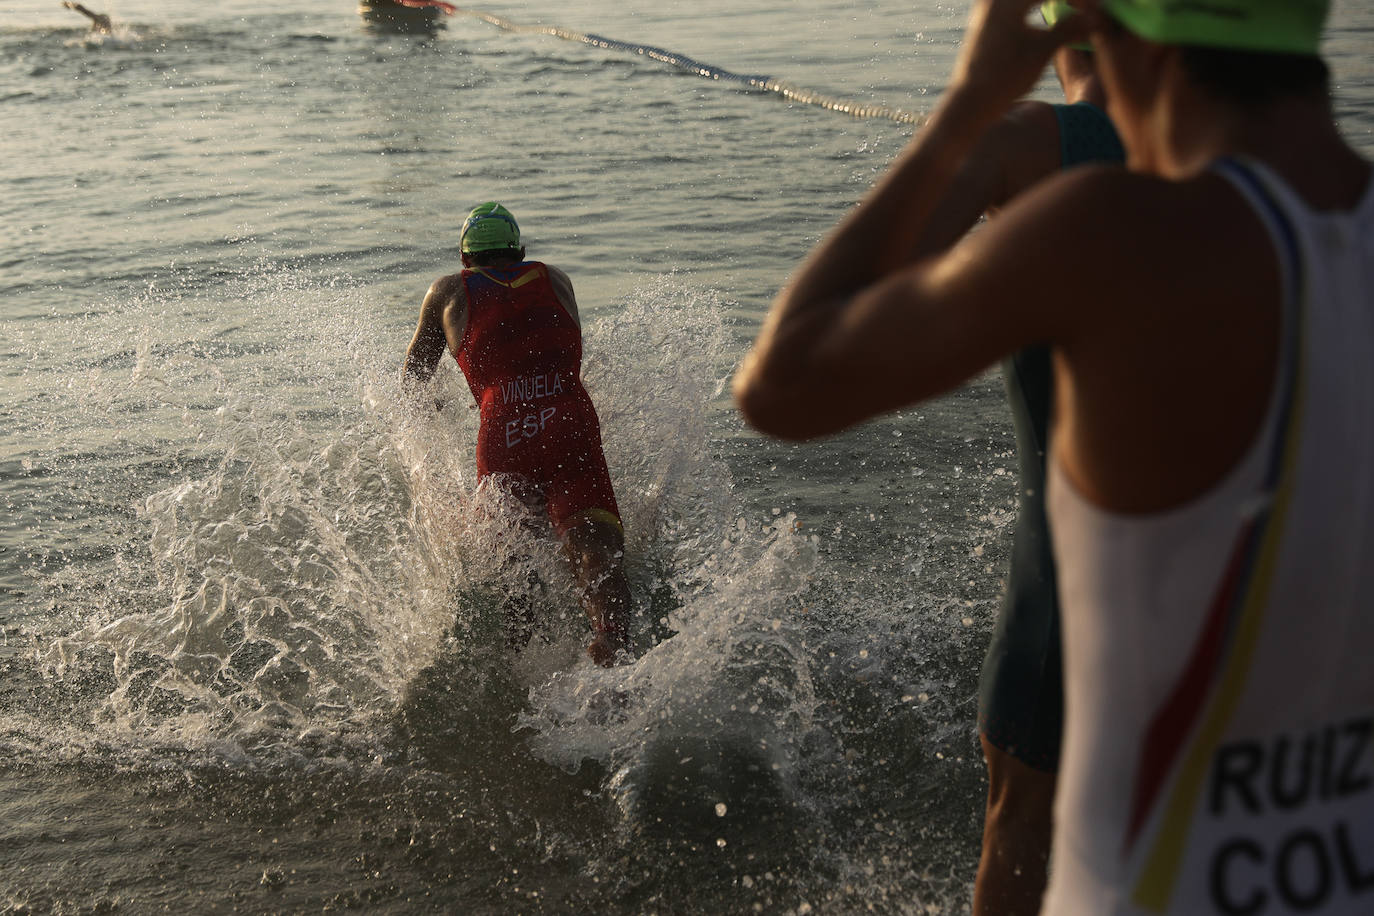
[[1021, 691]]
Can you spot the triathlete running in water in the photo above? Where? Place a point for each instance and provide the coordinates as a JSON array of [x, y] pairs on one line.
[[513, 327]]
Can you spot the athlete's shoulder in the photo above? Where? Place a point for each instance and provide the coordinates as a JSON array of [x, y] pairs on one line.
[[447, 291], [561, 282], [1108, 250], [1164, 226], [1106, 187], [553, 270], [563, 291], [448, 285]]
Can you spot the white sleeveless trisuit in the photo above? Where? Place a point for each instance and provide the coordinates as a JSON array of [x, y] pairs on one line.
[[1219, 657]]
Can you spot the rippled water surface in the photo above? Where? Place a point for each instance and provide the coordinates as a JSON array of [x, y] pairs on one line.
[[250, 608]]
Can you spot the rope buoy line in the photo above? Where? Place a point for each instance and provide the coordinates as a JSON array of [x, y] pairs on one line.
[[682, 62]]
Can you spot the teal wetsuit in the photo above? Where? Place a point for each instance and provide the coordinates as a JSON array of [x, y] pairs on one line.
[[1021, 694]]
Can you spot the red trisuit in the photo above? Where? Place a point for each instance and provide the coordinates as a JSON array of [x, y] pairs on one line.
[[522, 356]]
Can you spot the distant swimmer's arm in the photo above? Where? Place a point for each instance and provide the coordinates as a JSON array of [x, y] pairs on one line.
[[427, 346], [99, 21], [562, 288]]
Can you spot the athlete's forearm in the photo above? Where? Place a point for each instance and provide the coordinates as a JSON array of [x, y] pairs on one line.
[[783, 386], [773, 385], [416, 373], [1020, 150], [1000, 61], [882, 233]]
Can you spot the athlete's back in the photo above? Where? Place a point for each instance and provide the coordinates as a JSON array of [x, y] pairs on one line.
[[1219, 755]]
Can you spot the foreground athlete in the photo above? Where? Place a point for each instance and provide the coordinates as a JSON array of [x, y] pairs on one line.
[[512, 325], [1211, 454]]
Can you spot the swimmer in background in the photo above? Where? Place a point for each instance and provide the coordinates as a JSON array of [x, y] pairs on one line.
[[421, 16], [512, 326], [99, 21], [1210, 454]]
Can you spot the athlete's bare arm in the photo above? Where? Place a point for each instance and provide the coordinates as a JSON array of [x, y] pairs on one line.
[[1015, 153], [1133, 435], [857, 283], [1018, 151], [443, 318]]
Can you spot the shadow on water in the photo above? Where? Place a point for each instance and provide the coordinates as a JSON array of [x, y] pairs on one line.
[[459, 715], [436, 806], [707, 809]]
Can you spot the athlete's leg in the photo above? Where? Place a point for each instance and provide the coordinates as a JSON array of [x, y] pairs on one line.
[[596, 546], [1016, 836], [518, 500]]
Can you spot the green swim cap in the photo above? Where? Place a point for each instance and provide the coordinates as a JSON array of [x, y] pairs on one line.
[[1055, 10], [1274, 26], [489, 227]]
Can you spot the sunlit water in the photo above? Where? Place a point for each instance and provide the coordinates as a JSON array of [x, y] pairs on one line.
[[253, 647]]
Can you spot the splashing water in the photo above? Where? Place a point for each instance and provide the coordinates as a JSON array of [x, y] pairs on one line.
[[311, 587], [315, 545]]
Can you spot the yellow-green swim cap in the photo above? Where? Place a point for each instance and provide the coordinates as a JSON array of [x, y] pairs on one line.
[[489, 227], [1055, 10], [1274, 26]]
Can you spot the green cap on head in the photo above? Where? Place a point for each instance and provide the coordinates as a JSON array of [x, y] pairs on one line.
[[489, 227], [1273, 26], [1055, 10]]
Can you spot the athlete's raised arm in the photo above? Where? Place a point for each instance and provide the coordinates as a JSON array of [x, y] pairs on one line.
[[99, 21], [849, 309]]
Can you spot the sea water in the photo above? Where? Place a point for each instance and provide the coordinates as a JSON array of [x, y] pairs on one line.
[[251, 606]]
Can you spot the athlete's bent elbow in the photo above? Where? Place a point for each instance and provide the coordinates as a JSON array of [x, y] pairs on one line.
[[774, 411]]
